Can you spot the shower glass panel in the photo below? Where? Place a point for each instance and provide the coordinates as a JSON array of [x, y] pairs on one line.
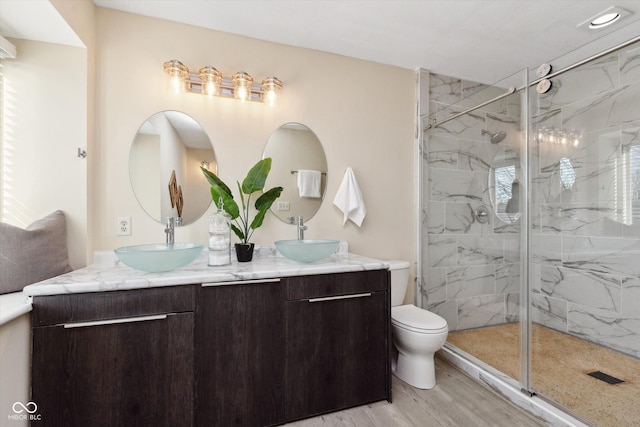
[[585, 239], [470, 268], [544, 291]]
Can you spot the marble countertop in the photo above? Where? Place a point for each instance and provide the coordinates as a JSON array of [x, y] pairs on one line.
[[266, 264]]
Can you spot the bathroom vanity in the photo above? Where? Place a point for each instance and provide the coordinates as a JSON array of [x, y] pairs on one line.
[[261, 343]]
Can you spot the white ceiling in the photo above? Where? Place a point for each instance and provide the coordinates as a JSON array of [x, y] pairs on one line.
[[35, 20], [480, 40]]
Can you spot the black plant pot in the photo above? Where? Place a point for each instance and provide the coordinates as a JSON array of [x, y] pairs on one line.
[[244, 252]]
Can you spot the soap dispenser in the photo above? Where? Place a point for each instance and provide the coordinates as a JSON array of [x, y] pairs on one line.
[[220, 237]]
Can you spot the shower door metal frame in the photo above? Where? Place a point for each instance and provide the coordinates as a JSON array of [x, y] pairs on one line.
[[512, 90]]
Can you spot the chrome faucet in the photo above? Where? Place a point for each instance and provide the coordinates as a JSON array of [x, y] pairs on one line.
[[301, 227], [170, 230]]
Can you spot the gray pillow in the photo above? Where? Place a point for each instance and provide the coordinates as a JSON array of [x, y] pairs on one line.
[[36, 253]]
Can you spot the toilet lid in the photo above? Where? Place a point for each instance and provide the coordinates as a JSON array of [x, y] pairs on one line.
[[411, 317]]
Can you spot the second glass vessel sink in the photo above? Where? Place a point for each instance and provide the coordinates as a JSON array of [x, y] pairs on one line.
[[307, 250], [159, 257]]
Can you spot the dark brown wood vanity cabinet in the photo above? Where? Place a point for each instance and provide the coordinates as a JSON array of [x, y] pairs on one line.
[[122, 358], [240, 346], [247, 353], [338, 342]]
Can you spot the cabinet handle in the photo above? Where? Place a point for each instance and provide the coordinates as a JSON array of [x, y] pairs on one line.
[[240, 282], [339, 297], [114, 321]]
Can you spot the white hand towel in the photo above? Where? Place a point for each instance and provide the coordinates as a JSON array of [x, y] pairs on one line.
[[349, 199], [309, 183]]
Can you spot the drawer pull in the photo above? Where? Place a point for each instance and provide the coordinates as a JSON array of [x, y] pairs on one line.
[[240, 282], [114, 321], [339, 297]]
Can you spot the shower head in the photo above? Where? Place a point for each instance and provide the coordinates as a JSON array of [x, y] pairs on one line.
[[495, 138]]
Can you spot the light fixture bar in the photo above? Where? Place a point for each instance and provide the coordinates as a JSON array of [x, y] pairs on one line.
[[209, 81], [226, 89]]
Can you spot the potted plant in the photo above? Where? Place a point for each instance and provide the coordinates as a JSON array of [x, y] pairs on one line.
[[241, 223]]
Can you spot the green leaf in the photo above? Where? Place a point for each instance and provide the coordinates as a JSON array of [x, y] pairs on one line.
[[267, 198], [263, 204], [257, 176], [230, 205], [214, 180], [244, 206], [253, 182], [239, 233]]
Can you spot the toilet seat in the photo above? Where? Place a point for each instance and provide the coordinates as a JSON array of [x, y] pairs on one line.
[[415, 319]]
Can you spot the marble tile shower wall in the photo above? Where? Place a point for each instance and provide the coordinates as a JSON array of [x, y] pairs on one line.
[[585, 237], [470, 271]]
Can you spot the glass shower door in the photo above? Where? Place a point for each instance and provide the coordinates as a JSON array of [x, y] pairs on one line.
[[585, 239], [473, 189]]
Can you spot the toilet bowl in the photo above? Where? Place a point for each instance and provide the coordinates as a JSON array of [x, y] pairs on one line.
[[417, 333]]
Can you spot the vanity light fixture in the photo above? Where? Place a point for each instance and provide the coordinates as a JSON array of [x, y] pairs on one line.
[[242, 83], [271, 88], [210, 81], [178, 75]]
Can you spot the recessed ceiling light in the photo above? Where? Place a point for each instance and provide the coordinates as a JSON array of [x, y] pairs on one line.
[[605, 18]]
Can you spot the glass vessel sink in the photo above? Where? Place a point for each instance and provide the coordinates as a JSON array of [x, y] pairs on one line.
[[158, 257], [307, 250]]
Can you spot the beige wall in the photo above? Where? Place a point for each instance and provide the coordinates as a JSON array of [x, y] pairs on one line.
[[81, 17], [45, 122], [362, 112]]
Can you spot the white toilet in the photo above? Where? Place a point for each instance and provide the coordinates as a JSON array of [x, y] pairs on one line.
[[417, 333]]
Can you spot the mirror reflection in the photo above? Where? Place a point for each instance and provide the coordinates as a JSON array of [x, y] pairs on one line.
[[300, 167], [164, 167], [504, 185]]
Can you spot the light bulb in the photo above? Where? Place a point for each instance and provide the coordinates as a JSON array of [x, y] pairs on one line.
[[210, 89], [242, 83], [210, 79], [271, 98], [178, 75], [270, 88], [242, 94]]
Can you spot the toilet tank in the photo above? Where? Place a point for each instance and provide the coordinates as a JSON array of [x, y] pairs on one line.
[[399, 281]]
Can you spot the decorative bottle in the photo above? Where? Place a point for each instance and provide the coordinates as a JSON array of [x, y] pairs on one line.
[[219, 237]]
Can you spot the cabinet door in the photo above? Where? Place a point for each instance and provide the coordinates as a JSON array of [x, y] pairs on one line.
[[337, 353], [239, 354], [123, 372]]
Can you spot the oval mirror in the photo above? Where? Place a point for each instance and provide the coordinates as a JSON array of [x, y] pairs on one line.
[[164, 167], [300, 167], [504, 185]]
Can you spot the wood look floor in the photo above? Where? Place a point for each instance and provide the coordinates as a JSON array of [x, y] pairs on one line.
[[457, 400]]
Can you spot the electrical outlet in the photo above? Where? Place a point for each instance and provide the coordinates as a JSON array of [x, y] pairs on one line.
[[124, 226], [283, 206]]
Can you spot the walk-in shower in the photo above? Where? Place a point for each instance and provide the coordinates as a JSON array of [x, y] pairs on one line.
[[545, 295]]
